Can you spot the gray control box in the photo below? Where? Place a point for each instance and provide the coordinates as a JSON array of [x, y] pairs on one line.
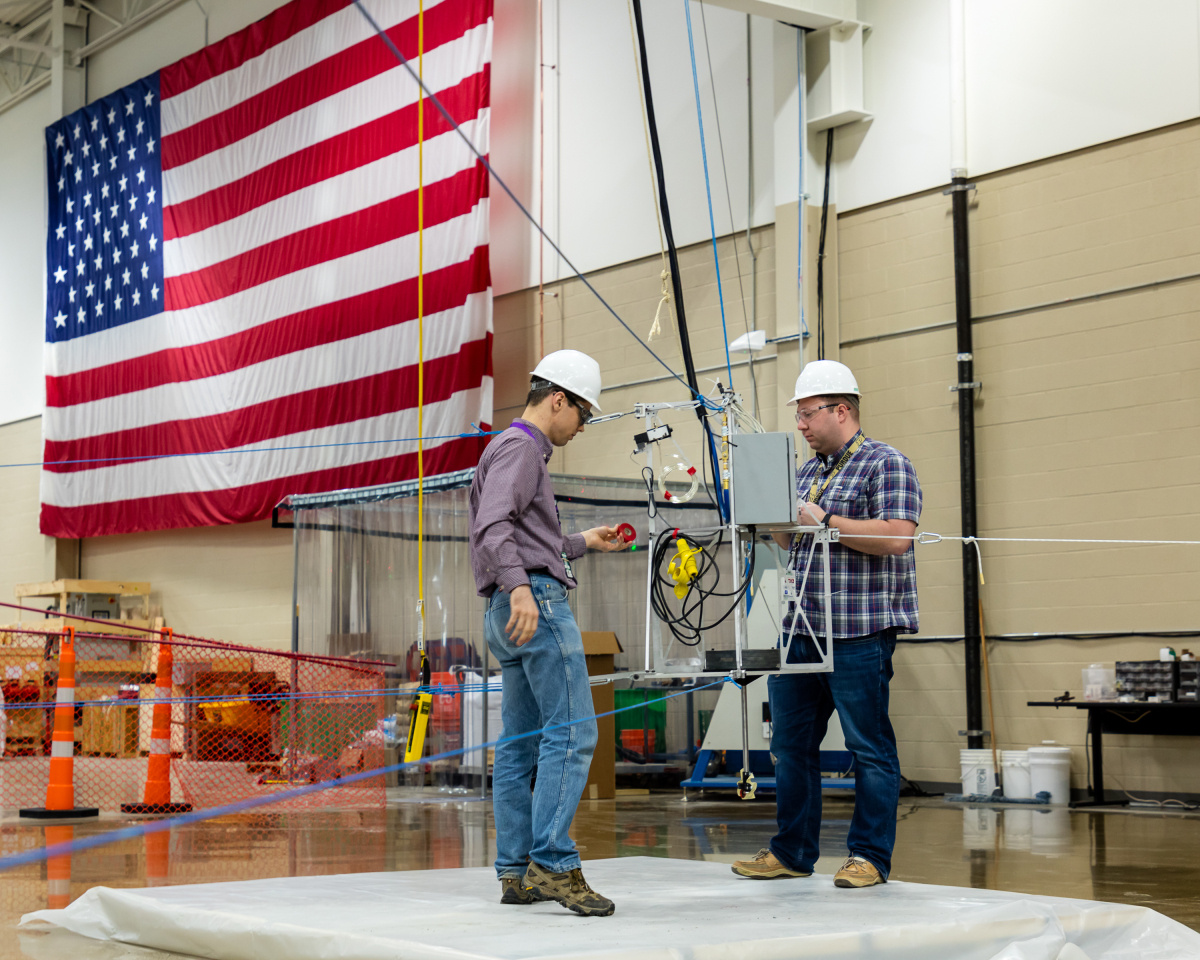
[[764, 477]]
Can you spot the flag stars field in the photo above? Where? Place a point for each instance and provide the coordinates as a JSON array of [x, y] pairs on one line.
[[128, 117]]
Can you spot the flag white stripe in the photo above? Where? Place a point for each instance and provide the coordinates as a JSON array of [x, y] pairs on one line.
[[324, 283], [344, 111], [321, 202], [230, 470], [328, 364], [322, 40]]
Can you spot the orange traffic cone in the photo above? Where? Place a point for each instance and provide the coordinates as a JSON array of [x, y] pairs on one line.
[[58, 869], [60, 794], [158, 858], [157, 798]]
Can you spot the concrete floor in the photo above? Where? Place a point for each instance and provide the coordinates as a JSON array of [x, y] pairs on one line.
[[1143, 857]]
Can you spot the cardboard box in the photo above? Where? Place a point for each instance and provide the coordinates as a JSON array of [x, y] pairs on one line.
[[600, 650]]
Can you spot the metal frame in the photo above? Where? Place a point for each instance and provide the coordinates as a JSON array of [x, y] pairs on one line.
[[27, 56]]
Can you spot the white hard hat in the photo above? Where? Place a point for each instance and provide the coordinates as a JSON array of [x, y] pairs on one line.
[[574, 372], [822, 378]]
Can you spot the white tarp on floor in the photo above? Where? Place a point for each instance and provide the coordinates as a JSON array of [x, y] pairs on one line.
[[666, 910]]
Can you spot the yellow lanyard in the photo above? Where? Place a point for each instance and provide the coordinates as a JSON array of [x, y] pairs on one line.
[[814, 493]]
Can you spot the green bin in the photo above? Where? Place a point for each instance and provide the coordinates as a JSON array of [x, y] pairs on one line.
[[652, 718]]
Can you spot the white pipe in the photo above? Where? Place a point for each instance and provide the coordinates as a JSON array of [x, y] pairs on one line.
[[958, 89]]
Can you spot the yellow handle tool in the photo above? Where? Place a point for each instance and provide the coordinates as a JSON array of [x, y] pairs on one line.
[[683, 568], [418, 717]]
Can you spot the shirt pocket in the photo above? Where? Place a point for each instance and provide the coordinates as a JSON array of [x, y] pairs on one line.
[[847, 502]]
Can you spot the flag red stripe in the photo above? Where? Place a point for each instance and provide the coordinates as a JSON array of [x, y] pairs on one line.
[[236, 49], [343, 70], [314, 409], [251, 502], [320, 161], [444, 289], [397, 217]]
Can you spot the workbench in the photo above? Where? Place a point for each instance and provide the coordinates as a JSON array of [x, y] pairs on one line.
[[1165, 719]]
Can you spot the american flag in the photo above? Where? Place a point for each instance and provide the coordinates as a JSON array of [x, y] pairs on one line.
[[232, 263]]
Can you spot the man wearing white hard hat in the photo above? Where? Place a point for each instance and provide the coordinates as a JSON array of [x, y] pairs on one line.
[[522, 564], [869, 492]]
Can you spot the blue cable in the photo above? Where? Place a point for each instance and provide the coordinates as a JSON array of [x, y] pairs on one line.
[[512, 196], [708, 190], [167, 823]]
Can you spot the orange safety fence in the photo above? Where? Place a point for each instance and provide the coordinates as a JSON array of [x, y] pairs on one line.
[[244, 723]]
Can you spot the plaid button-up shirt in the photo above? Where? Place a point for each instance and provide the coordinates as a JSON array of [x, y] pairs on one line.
[[869, 593]]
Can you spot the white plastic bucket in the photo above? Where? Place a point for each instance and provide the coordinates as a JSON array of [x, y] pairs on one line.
[[1050, 770], [1015, 766], [978, 771]]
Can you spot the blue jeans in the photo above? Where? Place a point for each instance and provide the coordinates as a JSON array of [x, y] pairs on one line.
[[545, 685], [801, 704]]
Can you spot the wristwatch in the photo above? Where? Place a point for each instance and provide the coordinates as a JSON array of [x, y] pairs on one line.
[[828, 516]]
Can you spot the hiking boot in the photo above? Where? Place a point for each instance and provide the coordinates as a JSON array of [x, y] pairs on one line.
[[857, 872], [765, 866], [569, 889], [513, 890]]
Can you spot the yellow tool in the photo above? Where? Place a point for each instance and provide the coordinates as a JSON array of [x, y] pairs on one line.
[[418, 717], [422, 705], [683, 568]]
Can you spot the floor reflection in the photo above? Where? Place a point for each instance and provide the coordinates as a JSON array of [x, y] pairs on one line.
[[1140, 857]]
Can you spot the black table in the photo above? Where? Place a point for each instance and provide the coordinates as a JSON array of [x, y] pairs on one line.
[[1169, 719]]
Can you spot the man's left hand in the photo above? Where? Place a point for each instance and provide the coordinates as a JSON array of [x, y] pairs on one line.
[[604, 538]]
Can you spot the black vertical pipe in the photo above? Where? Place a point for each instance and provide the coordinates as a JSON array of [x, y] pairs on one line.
[[966, 460]]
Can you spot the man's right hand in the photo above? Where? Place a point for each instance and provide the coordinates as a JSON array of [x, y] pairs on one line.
[[523, 620]]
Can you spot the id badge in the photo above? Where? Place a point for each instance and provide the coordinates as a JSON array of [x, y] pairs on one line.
[[567, 567], [789, 586]]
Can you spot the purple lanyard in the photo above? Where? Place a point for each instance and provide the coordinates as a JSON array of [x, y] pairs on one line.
[[528, 431]]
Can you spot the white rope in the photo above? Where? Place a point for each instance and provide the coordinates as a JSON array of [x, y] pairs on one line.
[[927, 538]]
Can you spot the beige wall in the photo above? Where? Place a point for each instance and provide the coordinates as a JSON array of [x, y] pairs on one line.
[[1088, 427]]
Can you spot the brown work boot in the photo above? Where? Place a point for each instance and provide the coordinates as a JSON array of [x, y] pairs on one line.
[[857, 872], [513, 890], [569, 889], [765, 866]]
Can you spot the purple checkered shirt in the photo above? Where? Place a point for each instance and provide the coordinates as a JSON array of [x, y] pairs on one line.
[[869, 593], [514, 520]]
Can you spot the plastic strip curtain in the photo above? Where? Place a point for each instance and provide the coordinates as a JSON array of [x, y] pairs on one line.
[[358, 583]]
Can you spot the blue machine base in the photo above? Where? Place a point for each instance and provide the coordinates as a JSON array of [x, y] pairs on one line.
[[764, 771]]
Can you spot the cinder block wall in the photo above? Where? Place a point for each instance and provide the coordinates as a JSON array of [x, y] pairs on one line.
[[1088, 423]]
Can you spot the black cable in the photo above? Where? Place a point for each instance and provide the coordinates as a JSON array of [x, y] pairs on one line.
[[648, 479], [688, 625], [821, 249], [685, 343]]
